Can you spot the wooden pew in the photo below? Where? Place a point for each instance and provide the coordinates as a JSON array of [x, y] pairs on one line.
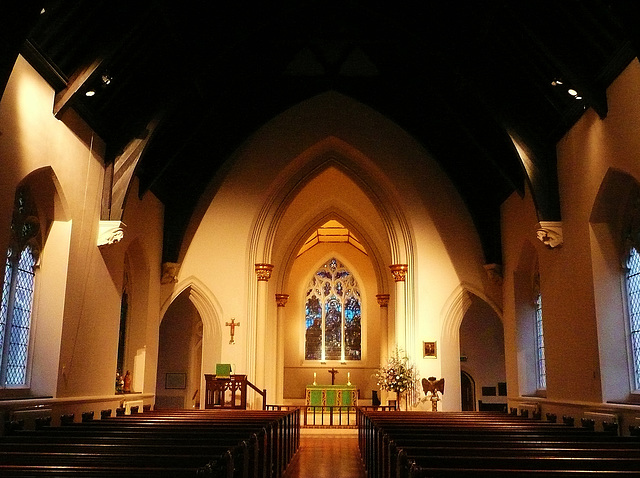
[[419, 444], [231, 445]]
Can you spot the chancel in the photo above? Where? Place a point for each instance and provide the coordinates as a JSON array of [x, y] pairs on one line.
[[383, 192]]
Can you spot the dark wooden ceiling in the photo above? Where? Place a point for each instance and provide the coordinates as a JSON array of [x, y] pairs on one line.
[[463, 77]]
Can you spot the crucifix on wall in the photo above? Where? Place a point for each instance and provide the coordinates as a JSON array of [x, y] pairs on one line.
[[233, 324], [333, 373]]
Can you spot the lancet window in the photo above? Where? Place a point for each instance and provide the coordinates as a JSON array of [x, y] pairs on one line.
[[17, 291], [333, 314], [541, 366], [633, 302]]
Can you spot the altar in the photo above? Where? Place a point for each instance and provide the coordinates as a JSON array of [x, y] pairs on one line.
[[331, 395]]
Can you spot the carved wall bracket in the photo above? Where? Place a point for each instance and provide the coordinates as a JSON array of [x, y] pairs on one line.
[[383, 300], [281, 299], [170, 272], [111, 232], [550, 233], [494, 273]]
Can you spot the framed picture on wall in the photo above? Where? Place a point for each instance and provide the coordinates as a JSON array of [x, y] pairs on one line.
[[429, 349], [175, 381]]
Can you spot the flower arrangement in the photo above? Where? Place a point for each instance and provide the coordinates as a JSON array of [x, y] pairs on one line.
[[398, 375]]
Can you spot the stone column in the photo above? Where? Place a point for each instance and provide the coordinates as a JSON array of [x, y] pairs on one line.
[[281, 301], [383, 302], [263, 273], [399, 272]]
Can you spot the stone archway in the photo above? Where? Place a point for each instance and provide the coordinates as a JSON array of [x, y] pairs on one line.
[[180, 355]]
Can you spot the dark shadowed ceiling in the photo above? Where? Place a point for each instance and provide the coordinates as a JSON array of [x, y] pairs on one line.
[[189, 81]]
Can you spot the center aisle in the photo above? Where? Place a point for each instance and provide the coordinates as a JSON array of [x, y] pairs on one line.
[[327, 454]]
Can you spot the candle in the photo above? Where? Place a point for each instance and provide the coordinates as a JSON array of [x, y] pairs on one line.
[[348, 378], [314, 378]]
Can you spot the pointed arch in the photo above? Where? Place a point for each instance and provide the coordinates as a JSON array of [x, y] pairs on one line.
[[330, 152], [615, 227], [54, 237], [205, 303], [453, 313], [377, 260], [210, 313], [526, 280]]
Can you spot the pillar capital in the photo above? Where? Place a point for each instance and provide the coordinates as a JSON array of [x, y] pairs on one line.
[[281, 299], [399, 271], [263, 271], [383, 300]]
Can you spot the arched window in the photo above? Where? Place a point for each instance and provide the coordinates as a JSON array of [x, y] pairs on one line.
[[333, 314], [17, 291], [633, 303], [541, 367], [124, 315]]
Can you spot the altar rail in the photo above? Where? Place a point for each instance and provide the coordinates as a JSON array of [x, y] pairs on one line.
[[343, 416]]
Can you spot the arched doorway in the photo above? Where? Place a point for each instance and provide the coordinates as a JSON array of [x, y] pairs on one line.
[[179, 356], [468, 390], [483, 356]]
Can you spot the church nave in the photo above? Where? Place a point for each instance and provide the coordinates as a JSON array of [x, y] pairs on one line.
[[327, 455]]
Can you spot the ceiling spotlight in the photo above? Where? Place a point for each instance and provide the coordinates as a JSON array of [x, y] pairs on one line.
[[578, 97], [90, 93], [556, 82], [572, 92], [106, 79]]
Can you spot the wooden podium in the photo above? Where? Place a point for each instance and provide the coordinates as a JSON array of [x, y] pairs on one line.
[[226, 392]]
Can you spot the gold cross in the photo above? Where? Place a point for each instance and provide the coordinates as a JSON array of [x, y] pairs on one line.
[[233, 324]]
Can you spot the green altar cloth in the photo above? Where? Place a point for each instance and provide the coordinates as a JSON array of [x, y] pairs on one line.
[[331, 395]]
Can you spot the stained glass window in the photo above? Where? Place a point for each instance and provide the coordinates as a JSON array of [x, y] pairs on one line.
[[17, 291], [541, 368], [633, 300], [333, 314]]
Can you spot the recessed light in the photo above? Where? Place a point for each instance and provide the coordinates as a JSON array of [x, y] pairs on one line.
[[572, 92], [90, 93]]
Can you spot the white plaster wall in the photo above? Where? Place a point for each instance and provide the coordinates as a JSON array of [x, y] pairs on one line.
[[78, 310], [585, 154]]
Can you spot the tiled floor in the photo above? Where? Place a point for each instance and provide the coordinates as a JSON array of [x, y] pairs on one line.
[[327, 456]]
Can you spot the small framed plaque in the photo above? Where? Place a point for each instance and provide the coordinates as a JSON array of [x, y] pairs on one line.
[[429, 349], [175, 381]]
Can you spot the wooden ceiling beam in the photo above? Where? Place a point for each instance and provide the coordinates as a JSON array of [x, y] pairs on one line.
[[75, 84], [594, 95]]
